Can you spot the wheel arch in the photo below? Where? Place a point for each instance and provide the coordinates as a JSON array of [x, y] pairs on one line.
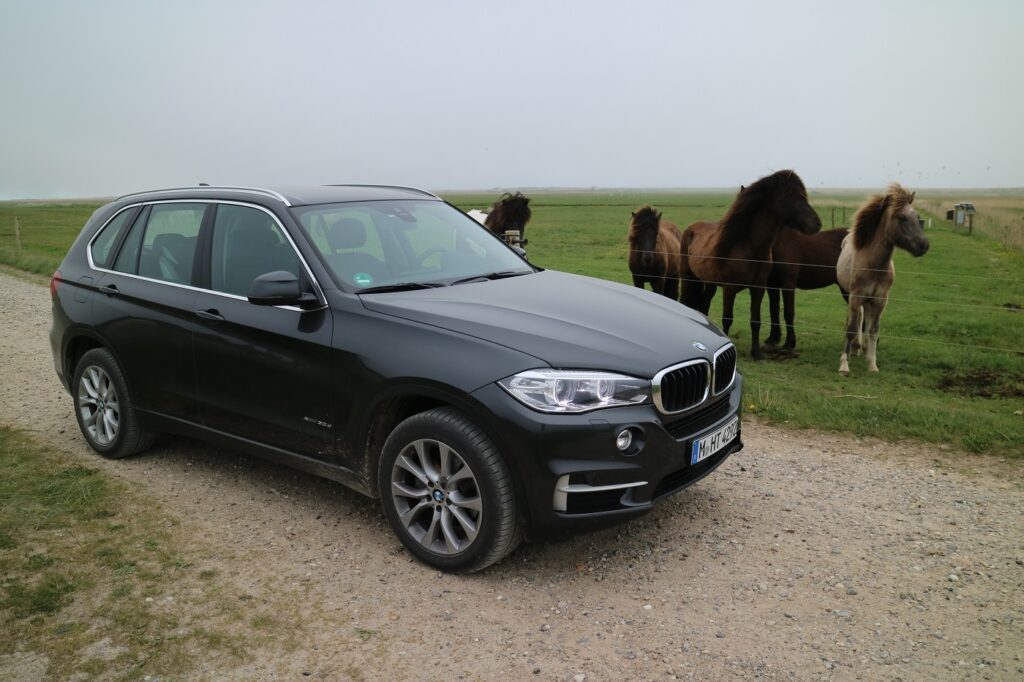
[[399, 403]]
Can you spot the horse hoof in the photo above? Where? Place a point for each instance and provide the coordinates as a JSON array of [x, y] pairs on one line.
[[873, 369], [844, 372]]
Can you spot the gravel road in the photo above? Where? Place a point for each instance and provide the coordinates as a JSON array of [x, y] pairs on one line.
[[806, 556]]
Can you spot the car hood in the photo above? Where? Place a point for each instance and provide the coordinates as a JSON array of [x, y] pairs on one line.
[[567, 321]]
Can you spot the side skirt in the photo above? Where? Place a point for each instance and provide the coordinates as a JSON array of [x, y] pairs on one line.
[[160, 423]]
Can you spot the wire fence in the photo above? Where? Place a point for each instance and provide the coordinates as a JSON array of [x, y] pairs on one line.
[[1010, 309]]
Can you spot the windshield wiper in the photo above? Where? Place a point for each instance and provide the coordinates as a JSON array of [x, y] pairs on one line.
[[491, 275], [400, 286]]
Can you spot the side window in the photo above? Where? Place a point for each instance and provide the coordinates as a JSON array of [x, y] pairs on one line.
[[103, 245], [247, 243], [128, 257], [169, 242]]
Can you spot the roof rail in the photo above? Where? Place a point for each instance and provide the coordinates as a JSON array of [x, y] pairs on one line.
[[411, 189], [252, 190]]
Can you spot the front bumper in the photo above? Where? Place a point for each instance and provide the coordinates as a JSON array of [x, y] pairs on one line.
[[570, 473]]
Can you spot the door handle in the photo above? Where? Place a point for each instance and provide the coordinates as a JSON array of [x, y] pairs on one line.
[[109, 289], [210, 314]]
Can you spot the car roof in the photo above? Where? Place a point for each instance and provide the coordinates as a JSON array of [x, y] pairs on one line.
[[301, 196]]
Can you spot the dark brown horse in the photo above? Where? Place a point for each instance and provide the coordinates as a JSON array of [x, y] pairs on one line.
[[799, 261], [654, 252], [510, 213], [735, 253], [865, 269]]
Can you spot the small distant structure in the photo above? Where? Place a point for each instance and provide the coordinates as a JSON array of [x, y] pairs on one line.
[[962, 215]]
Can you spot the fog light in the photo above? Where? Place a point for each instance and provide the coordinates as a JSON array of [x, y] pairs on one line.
[[624, 440]]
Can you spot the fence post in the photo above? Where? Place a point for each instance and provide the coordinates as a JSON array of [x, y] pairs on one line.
[[17, 234], [844, 215], [833, 216]]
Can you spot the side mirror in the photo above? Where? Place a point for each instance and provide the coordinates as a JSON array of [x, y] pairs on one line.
[[518, 249], [279, 288]]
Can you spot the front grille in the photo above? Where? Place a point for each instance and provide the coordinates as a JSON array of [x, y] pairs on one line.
[[682, 388], [725, 368], [698, 420]]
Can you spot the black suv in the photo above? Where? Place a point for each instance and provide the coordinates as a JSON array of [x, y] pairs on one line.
[[380, 337]]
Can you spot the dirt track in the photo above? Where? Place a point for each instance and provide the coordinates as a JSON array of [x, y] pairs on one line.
[[807, 555]]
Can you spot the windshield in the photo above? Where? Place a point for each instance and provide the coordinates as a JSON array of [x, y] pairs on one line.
[[402, 244]]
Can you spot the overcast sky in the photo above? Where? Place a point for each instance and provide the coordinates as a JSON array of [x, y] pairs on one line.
[[104, 98]]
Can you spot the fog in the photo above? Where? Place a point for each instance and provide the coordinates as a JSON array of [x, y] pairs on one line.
[[106, 98]]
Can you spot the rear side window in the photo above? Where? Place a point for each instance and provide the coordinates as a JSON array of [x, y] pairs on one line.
[[247, 243], [169, 242], [102, 248]]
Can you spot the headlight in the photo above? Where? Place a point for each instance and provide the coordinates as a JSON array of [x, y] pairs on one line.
[[555, 390]]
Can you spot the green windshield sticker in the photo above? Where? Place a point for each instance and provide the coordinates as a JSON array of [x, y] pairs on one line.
[[362, 279]]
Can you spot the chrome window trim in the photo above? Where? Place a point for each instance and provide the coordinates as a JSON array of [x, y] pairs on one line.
[[305, 265], [656, 385], [202, 188], [714, 364]]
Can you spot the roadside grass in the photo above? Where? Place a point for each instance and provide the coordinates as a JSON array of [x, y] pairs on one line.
[[952, 338], [951, 350], [100, 581]]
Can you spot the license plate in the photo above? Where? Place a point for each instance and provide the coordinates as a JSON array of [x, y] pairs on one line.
[[709, 445]]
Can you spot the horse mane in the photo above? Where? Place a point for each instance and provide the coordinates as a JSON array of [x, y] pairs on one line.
[[869, 216], [750, 199], [510, 209], [644, 218]]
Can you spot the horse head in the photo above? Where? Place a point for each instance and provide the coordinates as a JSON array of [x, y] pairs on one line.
[[790, 202], [510, 212], [902, 224], [643, 233]]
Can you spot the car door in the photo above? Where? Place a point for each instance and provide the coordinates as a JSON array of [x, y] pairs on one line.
[[263, 372], [146, 302]]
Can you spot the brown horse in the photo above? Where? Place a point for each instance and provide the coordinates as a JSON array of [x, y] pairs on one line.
[[865, 267], [735, 253], [510, 213], [654, 252], [800, 261]]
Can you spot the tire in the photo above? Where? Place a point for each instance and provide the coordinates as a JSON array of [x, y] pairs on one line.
[[104, 409], [459, 516]]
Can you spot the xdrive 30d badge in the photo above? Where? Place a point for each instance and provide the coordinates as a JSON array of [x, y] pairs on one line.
[[380, 337]]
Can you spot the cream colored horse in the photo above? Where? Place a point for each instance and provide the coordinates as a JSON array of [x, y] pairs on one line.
[[865, 266]]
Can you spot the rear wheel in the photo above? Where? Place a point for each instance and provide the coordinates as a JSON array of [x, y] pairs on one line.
[[104, 408], [447, 493]]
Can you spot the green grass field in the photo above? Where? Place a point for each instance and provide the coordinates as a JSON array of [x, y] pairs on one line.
[[950, 353]]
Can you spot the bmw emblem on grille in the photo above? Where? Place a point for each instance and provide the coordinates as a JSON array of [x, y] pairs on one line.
[[700, 346]]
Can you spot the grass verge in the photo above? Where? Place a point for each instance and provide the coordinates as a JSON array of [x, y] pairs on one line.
[[97, 580]]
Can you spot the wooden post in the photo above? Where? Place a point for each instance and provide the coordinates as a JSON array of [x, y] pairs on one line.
[[833, 217], [17, 233], [844, 215]]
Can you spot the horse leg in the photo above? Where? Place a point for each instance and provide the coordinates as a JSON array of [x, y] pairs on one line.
[[671, 288], [728, 305], [638, 281], [773, 311], [852, 327], [709, 293], [872, 323], [858, 343], [789, 300], [756, 296]]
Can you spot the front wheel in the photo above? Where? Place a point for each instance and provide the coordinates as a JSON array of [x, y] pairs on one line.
[[447, 493], [104, 408]]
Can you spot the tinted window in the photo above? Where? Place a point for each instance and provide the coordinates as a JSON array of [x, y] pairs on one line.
[[102, 247], [128, 256], [382, 242], [247, 243], [169, 244]]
